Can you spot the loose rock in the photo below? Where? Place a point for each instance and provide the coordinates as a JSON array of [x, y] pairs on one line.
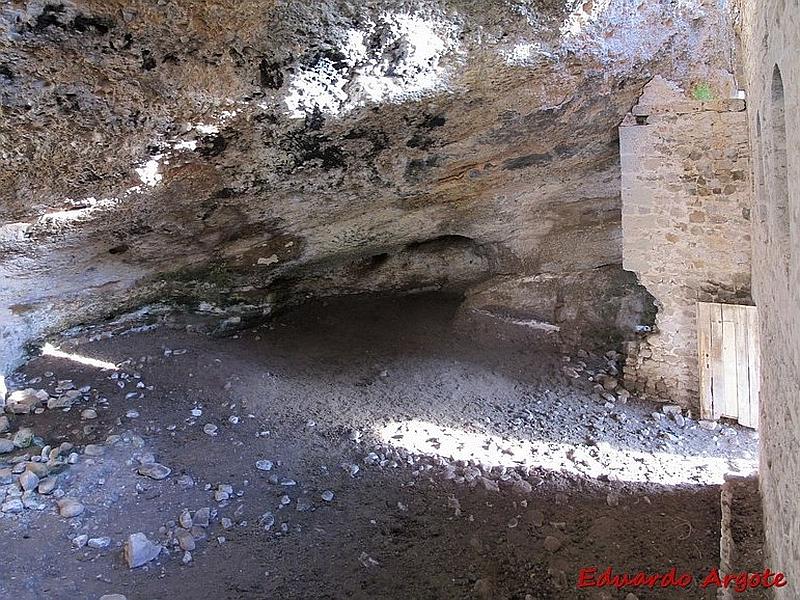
[[23, 438], [69, 508], [28, 481], [94, 450], [99, 543], [139, 550], [185, 540], [155, 471], [185, 520], [552, 543], [47, 485], [202, 517], [22, 402], [12, 506]]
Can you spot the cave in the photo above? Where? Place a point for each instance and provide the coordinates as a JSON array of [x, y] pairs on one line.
[[439, 299]]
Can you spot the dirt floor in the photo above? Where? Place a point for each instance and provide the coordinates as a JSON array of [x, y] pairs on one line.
[[371, 453]]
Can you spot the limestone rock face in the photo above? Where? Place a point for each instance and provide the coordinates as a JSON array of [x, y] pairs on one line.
[[250, 152]]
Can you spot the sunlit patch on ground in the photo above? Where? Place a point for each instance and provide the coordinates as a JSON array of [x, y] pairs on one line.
[[50, 350], [430, 439]]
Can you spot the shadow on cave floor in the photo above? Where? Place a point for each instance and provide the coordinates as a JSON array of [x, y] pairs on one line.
[[460, 466]]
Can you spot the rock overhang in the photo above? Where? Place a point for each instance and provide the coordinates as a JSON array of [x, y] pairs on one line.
[[158, 152]]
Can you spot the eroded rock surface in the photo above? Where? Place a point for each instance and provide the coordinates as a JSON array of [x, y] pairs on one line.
[[250, 153]]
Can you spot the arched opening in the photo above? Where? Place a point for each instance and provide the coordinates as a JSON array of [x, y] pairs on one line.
[[778, 190], [760, 192]]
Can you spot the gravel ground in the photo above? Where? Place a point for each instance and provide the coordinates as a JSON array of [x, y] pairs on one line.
[[355, 448]]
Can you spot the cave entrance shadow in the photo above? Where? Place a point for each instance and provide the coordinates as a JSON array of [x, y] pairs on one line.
[[401, 361]]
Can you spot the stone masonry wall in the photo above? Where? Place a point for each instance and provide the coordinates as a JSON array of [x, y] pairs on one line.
[[686, 227], [771, 32]]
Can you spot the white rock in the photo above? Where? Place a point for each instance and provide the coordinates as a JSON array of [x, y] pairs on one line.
[[99, 543], [12, 506], [139, 550], [267, 520]]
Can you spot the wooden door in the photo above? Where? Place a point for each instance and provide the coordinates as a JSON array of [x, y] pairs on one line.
[[727, 340]]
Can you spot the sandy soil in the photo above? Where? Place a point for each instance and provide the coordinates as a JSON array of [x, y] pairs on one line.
[[461, 466]]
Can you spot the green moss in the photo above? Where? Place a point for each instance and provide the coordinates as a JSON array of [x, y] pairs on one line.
[[702, 92], [216, 274]]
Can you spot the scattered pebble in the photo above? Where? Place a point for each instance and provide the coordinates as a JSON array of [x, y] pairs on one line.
[[202, 517], [99, 543], [94, 450], [185, 519], [155, 471], [553, 544], [12, 506], [69, 508]]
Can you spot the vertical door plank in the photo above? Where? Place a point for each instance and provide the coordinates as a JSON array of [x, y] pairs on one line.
[[704, 356], [742, 365], [731, 406], [717, 365], [754, 363]]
